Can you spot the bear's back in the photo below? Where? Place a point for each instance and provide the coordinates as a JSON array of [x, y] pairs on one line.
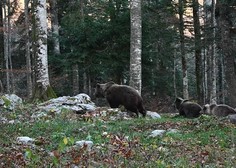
[[222, 110]]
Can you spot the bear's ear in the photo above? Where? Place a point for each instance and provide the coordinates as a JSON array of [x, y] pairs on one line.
[[98, 85], [178, 99]]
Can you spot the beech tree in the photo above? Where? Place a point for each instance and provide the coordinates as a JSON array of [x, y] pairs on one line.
[[43, 90], [6, 29], [136, 45], [210, 52]]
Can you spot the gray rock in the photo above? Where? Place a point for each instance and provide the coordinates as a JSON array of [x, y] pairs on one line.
[[83, 143], [157, 133], [10, 101], [232, 118], [79, 104], [1, 102], [25, 140], [153, 115]]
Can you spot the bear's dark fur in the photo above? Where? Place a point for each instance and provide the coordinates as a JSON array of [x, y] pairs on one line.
[[187, 108], [219, 110], [117, 95]]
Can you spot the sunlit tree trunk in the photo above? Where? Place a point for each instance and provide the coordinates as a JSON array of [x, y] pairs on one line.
[[182, 50], [27, 51], [6, 44], [12, 80], [210, 38], [43, 89], [136, 45], [55, 26]]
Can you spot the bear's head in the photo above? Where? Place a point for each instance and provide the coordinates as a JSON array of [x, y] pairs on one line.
[[101, 89], [206, 109], [178, 102]]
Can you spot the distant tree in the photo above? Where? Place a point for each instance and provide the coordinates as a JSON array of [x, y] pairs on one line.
[[210, 65], [27, 49], [182, 49], [213, 96], [136, 45], [225, 16], [55, 26], [1, 44], [43, 90], [198, 56], [7, 28]]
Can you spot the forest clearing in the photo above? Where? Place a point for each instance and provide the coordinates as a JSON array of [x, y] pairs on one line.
[[145, 57], [111, 140]]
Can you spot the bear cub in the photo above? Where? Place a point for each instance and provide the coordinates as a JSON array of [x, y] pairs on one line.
[[187, 108], [117, 95], [219, 110]]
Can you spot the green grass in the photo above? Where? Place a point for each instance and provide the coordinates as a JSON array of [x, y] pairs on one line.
[[202, 142]]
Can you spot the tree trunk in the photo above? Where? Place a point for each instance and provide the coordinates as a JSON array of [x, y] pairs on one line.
[[43, 90], [221, 74], [89, 85], [6, 44], [75, 79], [27, 51], [136, 45], [55, 26], [1, 48], [210, 44], [85, 83], [174, 74], [182, 50], [213, 98], [12, 80], [226, 15], [198, 56]]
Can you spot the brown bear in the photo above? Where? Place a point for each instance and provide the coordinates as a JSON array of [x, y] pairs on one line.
[[187, 108], [219, 110], [117, 95]]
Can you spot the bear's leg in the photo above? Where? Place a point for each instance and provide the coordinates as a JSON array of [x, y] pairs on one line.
[[113, 104], [142, 110], [133, 109]]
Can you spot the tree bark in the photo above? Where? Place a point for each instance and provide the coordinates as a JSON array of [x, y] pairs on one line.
[[6, 44], [213, 98], [226, 14], [75, 79], [136, 45], [43, 90], [55, 26], [1, 48], [198, 56], [85, 83], [182, 50], [27, 51]]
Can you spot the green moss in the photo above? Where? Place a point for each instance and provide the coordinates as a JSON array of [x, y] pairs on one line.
[[40, 94], [7, 102], [50, 93]]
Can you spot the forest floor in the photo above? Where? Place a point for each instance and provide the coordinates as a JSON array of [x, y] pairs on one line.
[[202, 142]]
